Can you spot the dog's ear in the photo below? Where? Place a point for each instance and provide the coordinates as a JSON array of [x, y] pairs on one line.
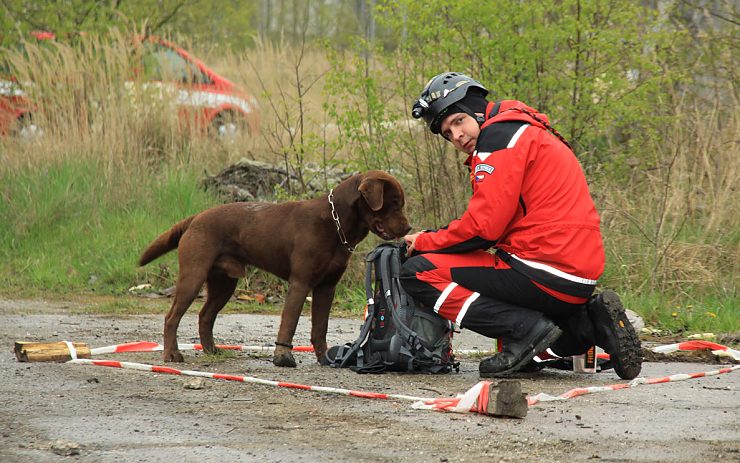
[[371, 189]]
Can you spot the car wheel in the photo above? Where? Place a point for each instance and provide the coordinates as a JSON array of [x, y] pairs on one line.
[[229, 126], [26, 127]]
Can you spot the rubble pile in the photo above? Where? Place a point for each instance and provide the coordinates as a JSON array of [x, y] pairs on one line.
[[249, 180]]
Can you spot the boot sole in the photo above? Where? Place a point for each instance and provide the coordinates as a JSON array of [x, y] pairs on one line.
[[543, 344], [628, 363]]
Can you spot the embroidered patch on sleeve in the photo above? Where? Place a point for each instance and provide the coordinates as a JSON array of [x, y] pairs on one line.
[[484, 168]]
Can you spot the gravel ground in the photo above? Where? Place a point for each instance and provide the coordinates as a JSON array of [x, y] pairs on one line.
[[56, 412]]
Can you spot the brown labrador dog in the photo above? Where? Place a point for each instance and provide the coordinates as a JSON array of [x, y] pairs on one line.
[[308, 243]]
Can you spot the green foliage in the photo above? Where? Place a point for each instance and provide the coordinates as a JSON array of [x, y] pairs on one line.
[[589, 65], [362, 113], [61, 18], [222, 22], [594, 67], [64, 228]]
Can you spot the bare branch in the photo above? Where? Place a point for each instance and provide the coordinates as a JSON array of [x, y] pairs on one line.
[[169, 16], [711, 13]]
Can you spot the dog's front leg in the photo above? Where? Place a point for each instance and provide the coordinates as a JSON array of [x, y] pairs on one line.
[[297, 292], [322, 298]]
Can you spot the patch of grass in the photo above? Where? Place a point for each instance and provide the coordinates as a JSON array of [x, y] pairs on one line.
[[61, 232], [125, 305], [234, 307], [222, 355], [350, 300], [712, 314]]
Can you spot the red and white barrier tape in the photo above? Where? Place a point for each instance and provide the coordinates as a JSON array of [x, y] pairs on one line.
[[717, 349], [242, 379], [462, 403], [474, 400], [579, 391], [144, 346]]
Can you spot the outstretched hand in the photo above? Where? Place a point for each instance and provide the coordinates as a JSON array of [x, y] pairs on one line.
[[410, 240]]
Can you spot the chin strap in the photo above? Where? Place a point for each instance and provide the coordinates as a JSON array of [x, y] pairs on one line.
[[471, 113], [335, 216]]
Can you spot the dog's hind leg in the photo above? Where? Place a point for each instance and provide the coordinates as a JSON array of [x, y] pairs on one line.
[[220, 289], [186, 291], [189, 282], [297, 292]]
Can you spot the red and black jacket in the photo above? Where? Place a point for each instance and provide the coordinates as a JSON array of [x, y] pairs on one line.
[[531, 201]]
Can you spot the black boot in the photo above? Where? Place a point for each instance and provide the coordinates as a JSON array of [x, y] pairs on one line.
[[615, 334], [519, 352]]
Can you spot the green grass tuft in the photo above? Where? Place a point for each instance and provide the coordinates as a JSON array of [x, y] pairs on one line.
[[63, 230], [709, 315]]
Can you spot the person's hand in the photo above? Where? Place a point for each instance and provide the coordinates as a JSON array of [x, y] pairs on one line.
[[410, 240]]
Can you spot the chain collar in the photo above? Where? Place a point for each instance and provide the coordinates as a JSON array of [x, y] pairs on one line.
[[335, 216]]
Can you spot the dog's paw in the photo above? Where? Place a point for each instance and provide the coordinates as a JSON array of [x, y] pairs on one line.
[[173, 357], [321, 355], [284, 359]]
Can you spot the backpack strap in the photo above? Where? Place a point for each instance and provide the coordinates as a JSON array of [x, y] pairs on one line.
[[352, 353], [384, 264], [390, 265], [375, 367]]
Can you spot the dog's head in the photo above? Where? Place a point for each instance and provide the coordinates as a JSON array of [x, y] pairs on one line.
[[382, 208]]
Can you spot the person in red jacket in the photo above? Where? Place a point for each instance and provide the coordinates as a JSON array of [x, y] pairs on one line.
[[522, 262]]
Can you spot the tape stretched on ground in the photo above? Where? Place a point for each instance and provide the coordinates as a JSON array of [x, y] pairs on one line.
[[242, 379], [143, 346], [463, 403], [579, 391]]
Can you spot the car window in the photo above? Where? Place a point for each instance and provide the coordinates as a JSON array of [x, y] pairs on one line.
[[198, 76], [164, 64], [4, 67]]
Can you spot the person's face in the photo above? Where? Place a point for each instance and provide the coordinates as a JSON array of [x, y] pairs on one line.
[[462, 130]]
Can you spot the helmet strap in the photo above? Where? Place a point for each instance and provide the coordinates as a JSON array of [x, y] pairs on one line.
[[469, 112]]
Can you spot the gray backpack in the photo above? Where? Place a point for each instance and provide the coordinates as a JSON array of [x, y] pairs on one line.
[[397, 334]]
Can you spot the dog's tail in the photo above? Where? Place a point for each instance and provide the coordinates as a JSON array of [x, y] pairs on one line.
[[165, 242]]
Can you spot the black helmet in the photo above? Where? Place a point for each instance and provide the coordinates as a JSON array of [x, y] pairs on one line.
[[441, 92]]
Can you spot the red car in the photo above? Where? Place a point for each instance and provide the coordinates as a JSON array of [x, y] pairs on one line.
[[15, 110], [203, 97]]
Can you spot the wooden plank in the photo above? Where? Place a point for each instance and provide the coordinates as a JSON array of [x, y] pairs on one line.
[[49, 351]]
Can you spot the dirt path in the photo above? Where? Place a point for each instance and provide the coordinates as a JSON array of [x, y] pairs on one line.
[[118, 415]]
